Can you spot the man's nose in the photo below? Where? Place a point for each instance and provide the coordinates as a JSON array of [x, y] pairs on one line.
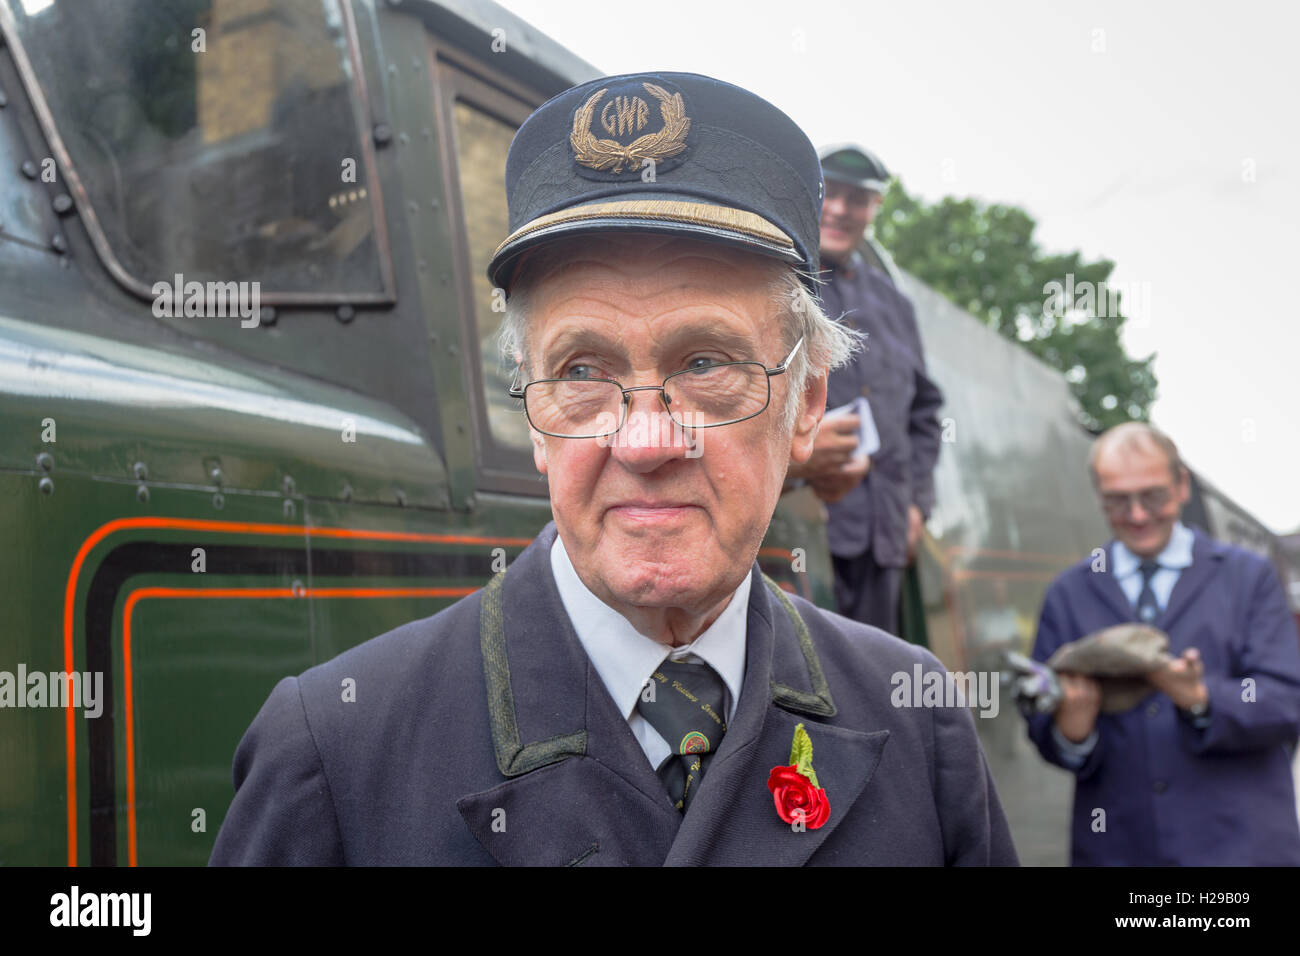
[[649, 437], [834, 205]]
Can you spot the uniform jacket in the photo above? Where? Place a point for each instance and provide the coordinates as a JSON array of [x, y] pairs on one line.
[[484, 735], [1173, 794], [890, 372]]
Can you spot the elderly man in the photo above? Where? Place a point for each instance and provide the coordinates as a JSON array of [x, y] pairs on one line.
[[877, 498], [1199, 773], [632, 689]]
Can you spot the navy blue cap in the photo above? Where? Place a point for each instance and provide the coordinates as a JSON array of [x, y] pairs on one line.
[[675, 153], [850, 163]]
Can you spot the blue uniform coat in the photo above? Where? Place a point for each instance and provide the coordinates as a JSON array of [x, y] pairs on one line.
[[484, 735], [890, 373], [1173, 794]]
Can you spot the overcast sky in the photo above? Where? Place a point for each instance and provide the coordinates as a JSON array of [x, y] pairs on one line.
[[1160, 135]]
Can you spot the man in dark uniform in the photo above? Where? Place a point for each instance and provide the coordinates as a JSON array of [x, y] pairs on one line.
[[632, 689], [878, 499]]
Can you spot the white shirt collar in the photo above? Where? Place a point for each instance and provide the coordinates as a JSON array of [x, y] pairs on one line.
[[625, 658], [1177, 554]]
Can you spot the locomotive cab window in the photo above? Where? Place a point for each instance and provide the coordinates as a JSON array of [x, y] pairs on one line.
[[481, 119], [226, 145]]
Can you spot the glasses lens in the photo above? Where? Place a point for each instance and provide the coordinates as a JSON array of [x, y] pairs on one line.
[[1115, 504], [574, 409], [1153, 499], [717, 394]]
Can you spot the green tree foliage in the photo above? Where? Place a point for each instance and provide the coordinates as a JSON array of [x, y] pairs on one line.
[[985, 259]]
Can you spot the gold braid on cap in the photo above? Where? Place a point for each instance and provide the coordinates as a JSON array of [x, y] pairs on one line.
[[608, 155]]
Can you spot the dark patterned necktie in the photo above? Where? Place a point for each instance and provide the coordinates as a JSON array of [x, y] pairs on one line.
[[688, 708], [1147, 608]]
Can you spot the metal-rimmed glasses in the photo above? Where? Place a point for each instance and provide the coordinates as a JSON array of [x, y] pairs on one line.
[[706, 397], [1152, 500]]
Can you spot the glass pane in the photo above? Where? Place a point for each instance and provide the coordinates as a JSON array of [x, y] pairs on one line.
[[215, 138], [482, 142]]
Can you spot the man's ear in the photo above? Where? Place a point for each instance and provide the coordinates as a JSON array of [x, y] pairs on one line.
[[539, 449], [805, 427]]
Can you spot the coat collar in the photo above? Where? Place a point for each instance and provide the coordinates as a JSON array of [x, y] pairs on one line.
[[579, 788], [1207, 555]]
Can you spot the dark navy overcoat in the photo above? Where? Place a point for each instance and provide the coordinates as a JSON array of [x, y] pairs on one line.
[[484, 735], [1170, 793]]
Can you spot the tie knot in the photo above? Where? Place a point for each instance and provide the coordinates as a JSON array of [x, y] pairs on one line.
[[1148, 568], [686, 704]]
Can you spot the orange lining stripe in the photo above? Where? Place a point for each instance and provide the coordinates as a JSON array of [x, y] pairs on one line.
[[245, 593], [220, 527]]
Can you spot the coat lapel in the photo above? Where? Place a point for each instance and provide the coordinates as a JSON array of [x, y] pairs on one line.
[[733, 820], [1207, 557], [1106, 587], [579, 788]]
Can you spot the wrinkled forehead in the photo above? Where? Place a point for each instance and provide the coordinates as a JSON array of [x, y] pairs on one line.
[[1135, 462], [629, 286]]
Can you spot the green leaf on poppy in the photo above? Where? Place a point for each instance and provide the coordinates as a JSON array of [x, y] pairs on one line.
[[801, 754]]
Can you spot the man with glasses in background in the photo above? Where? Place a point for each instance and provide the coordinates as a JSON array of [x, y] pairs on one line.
[[878, 490], [632, 689], [1199, 772]]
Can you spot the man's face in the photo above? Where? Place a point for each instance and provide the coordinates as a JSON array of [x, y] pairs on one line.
[[846, 213], [655, 516], [1125, 471]]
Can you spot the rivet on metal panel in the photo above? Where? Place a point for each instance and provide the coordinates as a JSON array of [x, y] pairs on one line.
[[452, 350], [268, 315], [45, 461], [216, 475], [218, 501], [403, 138], [140, 470], [142, 493], [345, 313], [47, 486], [287, 484], [288, 508], [58, 243], [29, 169], [383, 134], [62, 203], [401, 498]]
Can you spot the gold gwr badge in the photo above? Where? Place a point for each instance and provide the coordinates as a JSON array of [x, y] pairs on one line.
[[624, 114]]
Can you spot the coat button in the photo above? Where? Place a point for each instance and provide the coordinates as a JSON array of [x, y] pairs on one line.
[[1153, 709], [1159, 786]]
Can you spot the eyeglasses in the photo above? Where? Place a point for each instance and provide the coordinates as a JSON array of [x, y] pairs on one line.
[[705, 397], [1152, 500]]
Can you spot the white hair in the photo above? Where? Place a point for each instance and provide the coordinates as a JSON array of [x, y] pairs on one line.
[[827, 344]]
